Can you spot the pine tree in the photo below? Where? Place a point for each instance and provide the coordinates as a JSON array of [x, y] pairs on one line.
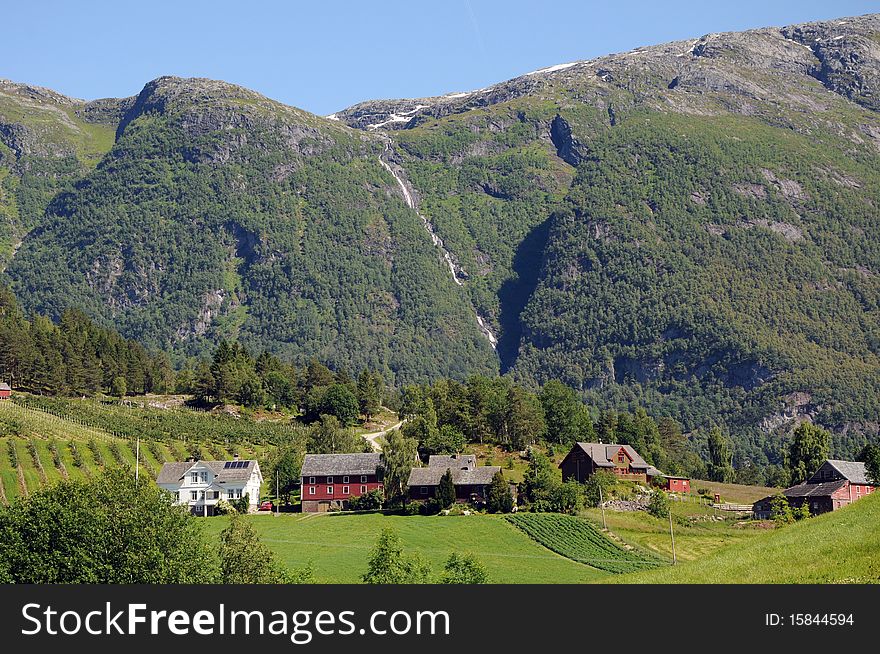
[[499, 498], [446, 490]]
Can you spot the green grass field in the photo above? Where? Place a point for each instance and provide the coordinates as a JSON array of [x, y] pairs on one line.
[[338, 545], [838, 547]]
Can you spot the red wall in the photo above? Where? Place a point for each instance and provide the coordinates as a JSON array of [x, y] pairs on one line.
[[678, 485], [354, 487]]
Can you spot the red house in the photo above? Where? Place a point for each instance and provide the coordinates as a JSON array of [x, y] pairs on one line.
[[329, 481], [835, 484], [5, 391]]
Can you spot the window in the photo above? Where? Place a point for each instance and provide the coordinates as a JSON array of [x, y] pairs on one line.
[[201, 495], [194, 495], [345, 479], [329, 480], [345, 490], [238, 493], [177, 495], [311, 480], [620, 457], [205, 477], [194, 478], [230, 494], [329, 490], [423, 490], [363, 489], [311, 490], [363, 479]]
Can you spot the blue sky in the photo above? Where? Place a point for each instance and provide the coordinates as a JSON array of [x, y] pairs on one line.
[[324, 56]]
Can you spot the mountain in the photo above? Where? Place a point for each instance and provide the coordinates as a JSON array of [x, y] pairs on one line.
[[690, 226]]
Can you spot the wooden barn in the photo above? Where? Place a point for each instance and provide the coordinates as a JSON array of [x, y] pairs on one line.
[[5, 391], [585, 459], [329, 481], [835, 484]]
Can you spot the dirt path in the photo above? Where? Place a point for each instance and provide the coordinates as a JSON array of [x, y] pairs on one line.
[[373, 436]]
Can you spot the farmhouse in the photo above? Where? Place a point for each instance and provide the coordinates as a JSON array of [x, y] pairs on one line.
[[202, 484], [5, 391], [835, 484], [585, 459], [471, 481], [329, 481]]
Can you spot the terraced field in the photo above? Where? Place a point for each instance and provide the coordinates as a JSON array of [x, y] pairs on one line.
[[40, 447], [577, 539]]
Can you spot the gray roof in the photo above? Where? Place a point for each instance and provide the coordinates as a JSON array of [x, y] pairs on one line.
[[824, 489], [853, 471], [174, 471], [604, 453], [430, 476], [4, 386], [452, 461], [315, 465]]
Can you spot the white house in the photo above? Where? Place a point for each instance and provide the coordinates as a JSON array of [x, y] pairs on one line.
[[201, 484]]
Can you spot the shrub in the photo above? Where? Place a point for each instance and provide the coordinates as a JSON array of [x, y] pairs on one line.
[[369, 501], [658, 505], [13, 453], [76, 454], [780, 510], [599, 486]]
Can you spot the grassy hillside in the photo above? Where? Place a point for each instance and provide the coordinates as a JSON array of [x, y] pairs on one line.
[[838, 547], [339, 545]]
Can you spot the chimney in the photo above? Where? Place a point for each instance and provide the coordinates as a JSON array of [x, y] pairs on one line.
[[191, 459], [235, 457]]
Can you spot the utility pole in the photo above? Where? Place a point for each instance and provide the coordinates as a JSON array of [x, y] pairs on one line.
[[137, 460], [602, 504], [277, 496], [672, 535]]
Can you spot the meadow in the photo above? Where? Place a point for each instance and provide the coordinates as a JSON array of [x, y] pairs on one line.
[[338, 545], [838, 547]]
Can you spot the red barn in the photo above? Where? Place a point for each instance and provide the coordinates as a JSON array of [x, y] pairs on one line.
[[5, 391], [835, 484], [329, 481]]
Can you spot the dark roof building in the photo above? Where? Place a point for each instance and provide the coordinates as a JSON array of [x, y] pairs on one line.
[[585, 459], [835, 484], [470, 480], [318, 465]]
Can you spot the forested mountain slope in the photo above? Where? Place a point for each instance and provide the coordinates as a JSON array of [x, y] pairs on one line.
[[691, 226]]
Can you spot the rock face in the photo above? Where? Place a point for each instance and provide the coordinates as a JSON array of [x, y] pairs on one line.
[[691, 224]]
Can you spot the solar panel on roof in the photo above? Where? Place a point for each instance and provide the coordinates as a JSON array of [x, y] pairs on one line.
[[228, 464]]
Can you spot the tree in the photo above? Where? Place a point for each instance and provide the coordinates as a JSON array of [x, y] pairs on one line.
[[539, 479], [523, 419], [446, 490], [118, 388], [446, 440], [720, 457], [244, 559], [106, 530], [566, 497], [463, 569], [808, 450], [251, 392], [339, 401], [568, 419], [658, 505], [499, 499], [870, 455], [400, 454], [598, 487], [329, 437], [242, 504], [286, 467], [370, 389], [389, 565], [780, 510]]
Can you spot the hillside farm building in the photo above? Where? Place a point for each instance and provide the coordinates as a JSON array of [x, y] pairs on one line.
[[471, 481], [833, 485], [329, 481], [5, 391], [585, 459]]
